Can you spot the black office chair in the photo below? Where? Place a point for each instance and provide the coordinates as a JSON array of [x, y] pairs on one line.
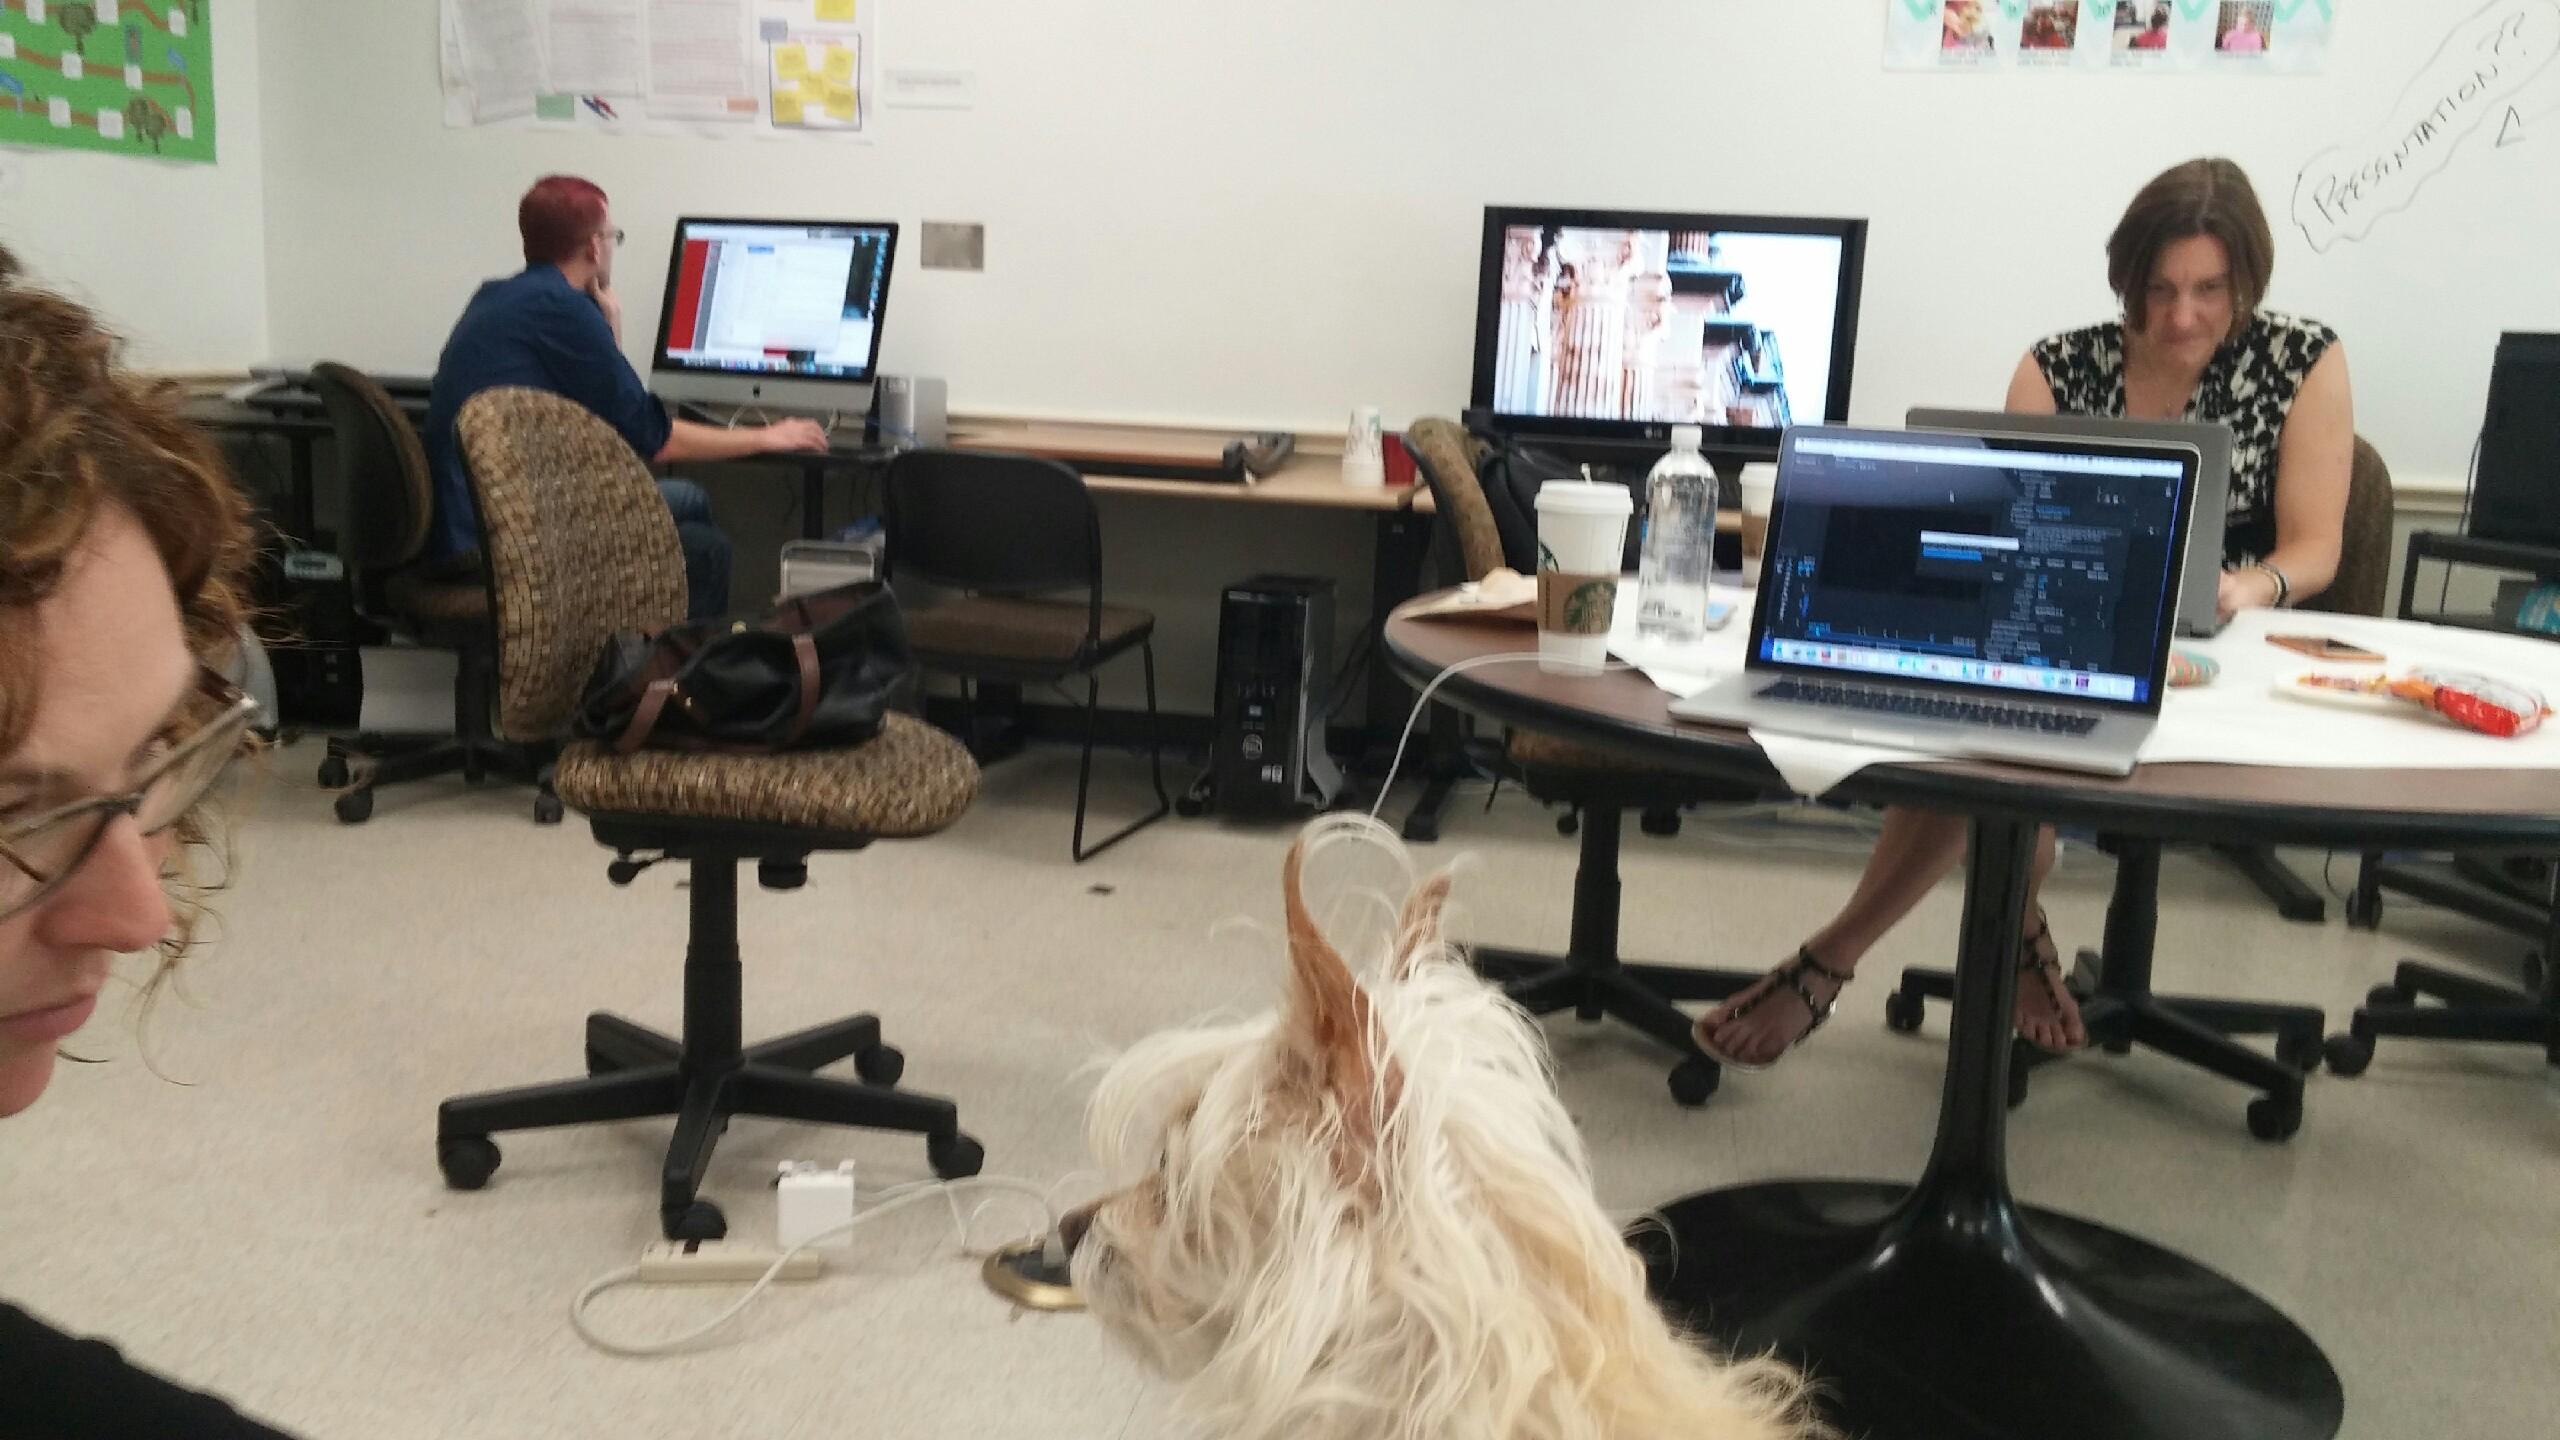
[[579, 548], [1598, 787], [1015, 545], [2117, 1002], [385, 500]]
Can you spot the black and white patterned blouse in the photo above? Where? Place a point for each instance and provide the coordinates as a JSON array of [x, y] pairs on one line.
[[2249, 385]]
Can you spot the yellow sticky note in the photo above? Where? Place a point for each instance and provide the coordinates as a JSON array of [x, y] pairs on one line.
[[839, 64], [836, 10], [840, 102], [790, 62], [786, 108], [813, 90]]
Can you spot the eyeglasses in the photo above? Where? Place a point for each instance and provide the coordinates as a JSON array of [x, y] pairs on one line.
[[40, 852], [616, 236]]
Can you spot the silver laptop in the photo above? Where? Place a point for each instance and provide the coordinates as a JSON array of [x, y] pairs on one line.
[[2200, 597], [1990, 595]]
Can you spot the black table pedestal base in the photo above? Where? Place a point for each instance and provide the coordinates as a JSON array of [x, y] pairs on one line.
[[1919, 1321]]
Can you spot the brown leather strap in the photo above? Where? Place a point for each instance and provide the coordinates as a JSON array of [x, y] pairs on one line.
[[644, 719], [804, 651]]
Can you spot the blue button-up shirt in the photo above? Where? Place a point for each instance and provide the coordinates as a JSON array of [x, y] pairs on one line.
[[536, 330]]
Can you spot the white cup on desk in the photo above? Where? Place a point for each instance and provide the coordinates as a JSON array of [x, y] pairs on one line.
[[1364, 450], [1582, 544]]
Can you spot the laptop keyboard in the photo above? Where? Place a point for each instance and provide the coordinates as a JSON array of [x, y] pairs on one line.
[[1904, 704]]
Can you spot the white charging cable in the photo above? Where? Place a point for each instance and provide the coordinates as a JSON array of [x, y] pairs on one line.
[[1422, 702], [882, 1202]]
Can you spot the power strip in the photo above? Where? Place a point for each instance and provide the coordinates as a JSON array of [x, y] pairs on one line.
[[716, 1262]]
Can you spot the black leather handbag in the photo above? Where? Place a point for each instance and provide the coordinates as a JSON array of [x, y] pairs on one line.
[[818, 673]]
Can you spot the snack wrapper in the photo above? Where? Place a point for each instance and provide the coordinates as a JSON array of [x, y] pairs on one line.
[[2475, 702]]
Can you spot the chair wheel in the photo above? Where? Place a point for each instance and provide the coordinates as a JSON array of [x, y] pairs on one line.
[[2348, 1055], [333, 773], [2302, 1052], [1662, 823], [354, 807], [880, 1065], [1190, 807], [700, 1220], [466, 1160], [547, 810], [1694, 1080], [1569, 823], [2388, 997], [2117, 1045], [2364, 913], [2018, 1075], [1903, 1012], [2274, 1117], [954, 1156]]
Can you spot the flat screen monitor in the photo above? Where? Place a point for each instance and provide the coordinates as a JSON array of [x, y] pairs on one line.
[[1615, 325], [775, 312]]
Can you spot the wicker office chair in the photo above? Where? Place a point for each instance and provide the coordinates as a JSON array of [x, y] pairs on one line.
[[580, 546], [1600, 786], [385, 503], [1007, 536], [2119, 1006]]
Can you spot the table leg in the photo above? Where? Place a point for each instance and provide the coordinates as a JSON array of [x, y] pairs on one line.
[[1948, 1310]]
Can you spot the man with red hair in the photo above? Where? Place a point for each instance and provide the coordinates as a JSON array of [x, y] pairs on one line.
[[557, 326]]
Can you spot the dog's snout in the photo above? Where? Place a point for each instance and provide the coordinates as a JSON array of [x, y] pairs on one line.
[[1075, 1224]]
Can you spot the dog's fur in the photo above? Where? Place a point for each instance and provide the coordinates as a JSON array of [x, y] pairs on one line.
[[1369, 1216]]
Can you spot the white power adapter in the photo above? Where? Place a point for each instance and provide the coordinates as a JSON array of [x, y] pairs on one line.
[[809, 1202]]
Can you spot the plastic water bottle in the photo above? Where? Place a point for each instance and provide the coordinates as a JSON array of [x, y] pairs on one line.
[[1679, 542]]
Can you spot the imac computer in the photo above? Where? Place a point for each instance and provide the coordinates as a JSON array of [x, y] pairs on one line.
[[775, 313], [1602, 329]]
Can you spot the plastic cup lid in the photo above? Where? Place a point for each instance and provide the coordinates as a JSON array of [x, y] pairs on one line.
[[1585, 497]]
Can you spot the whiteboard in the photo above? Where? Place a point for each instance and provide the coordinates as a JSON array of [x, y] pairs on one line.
[[1268, 214]]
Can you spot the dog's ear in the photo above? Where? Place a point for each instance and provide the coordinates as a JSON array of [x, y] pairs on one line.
[[1328, 1018], [1418, 929]]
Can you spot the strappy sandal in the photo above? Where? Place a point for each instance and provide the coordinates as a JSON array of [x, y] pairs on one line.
[[2034, 962], [1790, 975]]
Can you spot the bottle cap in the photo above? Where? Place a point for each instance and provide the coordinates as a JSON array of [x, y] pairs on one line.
[[1687, 437]]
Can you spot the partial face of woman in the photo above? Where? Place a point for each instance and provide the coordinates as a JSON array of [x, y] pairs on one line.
[[113, 666], [2189, 304]]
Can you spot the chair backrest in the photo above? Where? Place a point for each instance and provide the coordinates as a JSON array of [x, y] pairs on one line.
[[2364, 552], [993, 524], [386, 499], [579, 545], [1448, 456]]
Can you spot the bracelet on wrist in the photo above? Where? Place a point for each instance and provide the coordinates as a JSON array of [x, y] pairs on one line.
[[2284, 587]]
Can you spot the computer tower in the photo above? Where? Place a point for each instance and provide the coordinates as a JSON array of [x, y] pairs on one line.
[[1275, 666], [2516, 496]]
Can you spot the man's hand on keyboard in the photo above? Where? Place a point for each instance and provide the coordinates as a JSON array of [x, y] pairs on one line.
[[794, 434]]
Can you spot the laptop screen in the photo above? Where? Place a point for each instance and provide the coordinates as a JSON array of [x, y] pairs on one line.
[[2001, 563]]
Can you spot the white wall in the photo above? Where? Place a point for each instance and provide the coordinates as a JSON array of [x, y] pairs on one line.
[[1266, 213], [174, 255]]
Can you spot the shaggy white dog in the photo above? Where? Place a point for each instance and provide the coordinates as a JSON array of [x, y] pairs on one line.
[[1369, 1216]]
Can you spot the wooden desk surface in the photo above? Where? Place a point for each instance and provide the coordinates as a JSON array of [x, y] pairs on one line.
[[1312, 477]]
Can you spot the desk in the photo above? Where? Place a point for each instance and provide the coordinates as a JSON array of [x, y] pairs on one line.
[[1945, 1308], [300, 431]]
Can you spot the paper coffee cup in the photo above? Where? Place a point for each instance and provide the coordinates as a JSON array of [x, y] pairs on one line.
[[1364, 463], [1582, 539], [1759, 492]]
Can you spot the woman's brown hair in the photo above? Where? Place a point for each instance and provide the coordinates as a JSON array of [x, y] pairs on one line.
[[2201, 197], [78, 433]]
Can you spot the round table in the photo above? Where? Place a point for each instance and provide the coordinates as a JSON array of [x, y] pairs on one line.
[[1945, 1308]]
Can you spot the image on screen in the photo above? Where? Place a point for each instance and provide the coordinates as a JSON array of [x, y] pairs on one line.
[[1666, 326], [776, 299]]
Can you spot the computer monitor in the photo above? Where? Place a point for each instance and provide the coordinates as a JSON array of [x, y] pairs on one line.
[[1615, 325], [784, 313]]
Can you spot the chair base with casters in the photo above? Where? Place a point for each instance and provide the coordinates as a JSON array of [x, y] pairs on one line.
[[709, 1075], [1589, 978], [357, 767], [2467, 1008], [2121, 1010]]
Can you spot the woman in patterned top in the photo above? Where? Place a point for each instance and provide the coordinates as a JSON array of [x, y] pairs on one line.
[[2189, 262]]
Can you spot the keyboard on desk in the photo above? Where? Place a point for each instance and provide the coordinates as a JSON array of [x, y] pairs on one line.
[[1911, 705]]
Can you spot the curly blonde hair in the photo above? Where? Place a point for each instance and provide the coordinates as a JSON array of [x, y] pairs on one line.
[[79, 433]]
